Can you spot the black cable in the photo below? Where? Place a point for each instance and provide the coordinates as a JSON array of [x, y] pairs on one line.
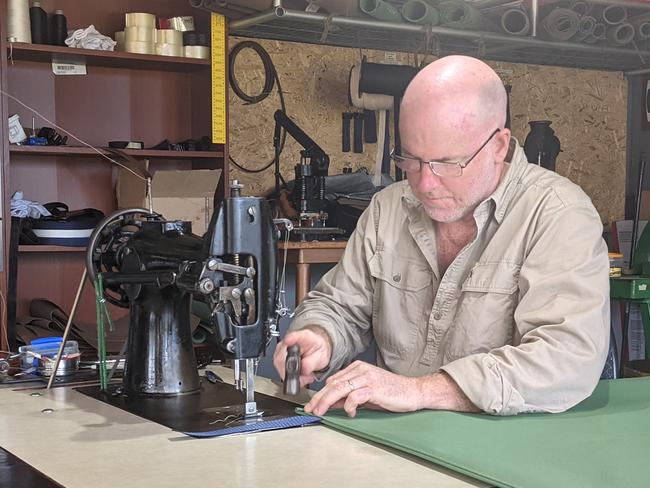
[[270, 79]]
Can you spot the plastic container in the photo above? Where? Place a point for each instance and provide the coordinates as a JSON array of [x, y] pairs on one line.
[[41, 355], [615, 264]]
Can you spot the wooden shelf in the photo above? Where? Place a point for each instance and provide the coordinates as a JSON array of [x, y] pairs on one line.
[[74, 151], [22, 51], [50, 249]]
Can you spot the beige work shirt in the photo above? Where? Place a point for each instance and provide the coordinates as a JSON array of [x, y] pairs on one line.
[[520, 319]]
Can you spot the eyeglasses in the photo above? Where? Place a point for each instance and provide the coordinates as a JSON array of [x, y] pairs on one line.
[[412, 164]]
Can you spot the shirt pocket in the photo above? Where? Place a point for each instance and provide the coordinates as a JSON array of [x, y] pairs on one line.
[[485, 314], [401, 301]]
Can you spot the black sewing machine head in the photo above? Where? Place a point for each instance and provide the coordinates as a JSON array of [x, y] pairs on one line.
[[157, 267]]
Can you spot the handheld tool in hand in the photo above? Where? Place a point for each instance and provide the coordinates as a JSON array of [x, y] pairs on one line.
[[292, 371]]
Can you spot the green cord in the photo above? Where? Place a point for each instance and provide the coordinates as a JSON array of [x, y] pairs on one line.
[[102, 311]]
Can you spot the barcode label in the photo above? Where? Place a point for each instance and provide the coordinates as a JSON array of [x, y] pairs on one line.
[[68, 68]]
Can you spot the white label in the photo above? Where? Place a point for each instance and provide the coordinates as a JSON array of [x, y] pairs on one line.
[[643, 287], [390, 57], [77, 68]]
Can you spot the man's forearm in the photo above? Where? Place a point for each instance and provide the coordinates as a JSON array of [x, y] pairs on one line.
[[440, 392]]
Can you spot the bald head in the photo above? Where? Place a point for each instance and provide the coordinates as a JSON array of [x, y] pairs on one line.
[[459, 95]]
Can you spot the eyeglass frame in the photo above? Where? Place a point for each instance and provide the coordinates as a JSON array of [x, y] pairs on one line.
[[430, 163]]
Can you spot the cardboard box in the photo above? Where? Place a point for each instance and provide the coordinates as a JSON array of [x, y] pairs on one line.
[[177, 195]]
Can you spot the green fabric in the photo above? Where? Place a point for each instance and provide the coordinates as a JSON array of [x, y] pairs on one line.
[[602, 442]]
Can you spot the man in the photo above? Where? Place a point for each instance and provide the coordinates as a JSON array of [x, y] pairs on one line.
[[483, 282]]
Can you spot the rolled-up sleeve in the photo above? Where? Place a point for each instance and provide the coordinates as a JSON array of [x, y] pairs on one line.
[[341, 303], [563, 318]]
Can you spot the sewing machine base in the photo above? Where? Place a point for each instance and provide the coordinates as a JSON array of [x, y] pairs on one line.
[[214, 407]]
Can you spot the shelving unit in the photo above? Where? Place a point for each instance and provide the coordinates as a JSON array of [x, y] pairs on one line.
[[82, 151], [284, 24], [123, 96], [20, 51]]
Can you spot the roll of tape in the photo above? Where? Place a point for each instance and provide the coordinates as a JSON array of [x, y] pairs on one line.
[[199, 52], [366, 100], [169, 36], [139, 19], [139, 34], [182, 24], [165, 49], [139, 47]]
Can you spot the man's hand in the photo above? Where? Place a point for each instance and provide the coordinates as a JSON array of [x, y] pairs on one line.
[[315, 352], [364, 385]]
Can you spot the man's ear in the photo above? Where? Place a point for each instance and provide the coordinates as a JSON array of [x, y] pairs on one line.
[[502, 142]]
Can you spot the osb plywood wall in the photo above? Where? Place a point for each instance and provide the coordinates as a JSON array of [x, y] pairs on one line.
[[588, 110]]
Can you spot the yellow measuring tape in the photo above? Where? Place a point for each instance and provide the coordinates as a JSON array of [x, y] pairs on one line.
[[218, 67]]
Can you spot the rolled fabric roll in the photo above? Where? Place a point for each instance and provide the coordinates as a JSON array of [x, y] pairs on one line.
[[614, 14], [460, 15], [561, 24], [640, 23], [140, 19], [368, 101], [599, 33], [385, 79], [586, 27], [420, 12], [380, 10], [621, 34], [515, 21], [140, 34], [581, 8]]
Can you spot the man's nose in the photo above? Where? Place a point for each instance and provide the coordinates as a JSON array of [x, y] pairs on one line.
[[426, 180]]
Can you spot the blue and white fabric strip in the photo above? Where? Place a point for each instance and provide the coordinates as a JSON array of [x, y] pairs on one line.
[[276, 424]]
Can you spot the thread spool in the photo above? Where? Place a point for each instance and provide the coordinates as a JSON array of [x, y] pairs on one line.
[[515, 22], [614, 14], [169, 36], [139, 34], [621, 34], [380, 10], [420, 12], [58, 29], [165, 49], [18, 25], [38, 24], [140, 19], [198, 52]]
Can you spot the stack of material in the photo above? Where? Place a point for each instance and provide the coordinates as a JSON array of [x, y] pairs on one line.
[[139, 34], [169, 42]]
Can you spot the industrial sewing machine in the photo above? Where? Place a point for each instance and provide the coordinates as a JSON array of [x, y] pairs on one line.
[[157, 267]]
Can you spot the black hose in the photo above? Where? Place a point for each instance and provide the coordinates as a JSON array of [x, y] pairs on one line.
[[270, 79]]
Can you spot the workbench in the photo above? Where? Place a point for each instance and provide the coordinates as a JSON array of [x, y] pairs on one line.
[[86, 443]]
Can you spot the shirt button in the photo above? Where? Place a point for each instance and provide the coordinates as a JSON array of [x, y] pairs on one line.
[[397, 278], [437, 315]]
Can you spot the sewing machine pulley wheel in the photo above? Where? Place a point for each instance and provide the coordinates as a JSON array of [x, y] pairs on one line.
[[107, 243]]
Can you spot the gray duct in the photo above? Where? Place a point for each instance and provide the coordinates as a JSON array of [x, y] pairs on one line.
[[515, 22], [420, 12], [561, 24]]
